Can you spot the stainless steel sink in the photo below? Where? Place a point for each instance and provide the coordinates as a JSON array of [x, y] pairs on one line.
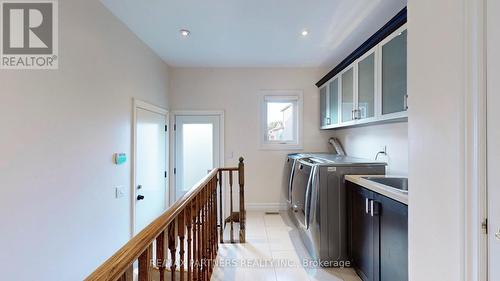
[[400, 184]]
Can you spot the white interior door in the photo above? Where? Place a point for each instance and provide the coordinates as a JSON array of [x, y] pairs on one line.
[[197, 149], [151, 166], [493, 138]]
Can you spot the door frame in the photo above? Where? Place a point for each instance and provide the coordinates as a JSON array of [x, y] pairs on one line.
[[175, 113], [140, 104], [475, 211]]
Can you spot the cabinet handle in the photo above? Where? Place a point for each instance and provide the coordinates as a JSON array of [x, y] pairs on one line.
[[373, 208], [358, 114], [328, 120], [405, 102], [367, 206]]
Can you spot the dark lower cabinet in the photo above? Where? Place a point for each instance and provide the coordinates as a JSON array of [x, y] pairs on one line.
[[363, 238], [378, 235], [393, 239]]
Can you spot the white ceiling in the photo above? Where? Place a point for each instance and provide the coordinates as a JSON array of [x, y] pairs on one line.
[[254, 33]]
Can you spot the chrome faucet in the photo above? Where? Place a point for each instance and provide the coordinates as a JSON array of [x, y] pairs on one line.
[[384, 152]]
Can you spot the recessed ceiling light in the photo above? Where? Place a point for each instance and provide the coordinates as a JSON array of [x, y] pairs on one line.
[[184, 32], [304, 32]]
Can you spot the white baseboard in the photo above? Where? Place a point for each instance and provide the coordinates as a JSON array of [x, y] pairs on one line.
[[266, 207]]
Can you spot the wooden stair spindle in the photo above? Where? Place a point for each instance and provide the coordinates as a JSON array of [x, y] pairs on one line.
[[202, 236], [195, 239], [171, 246], [210, 226], [160, 255], [231, 235], [198, 235], [207, 227], [216, 234], [215, 239], [181, 228], [189, 220], [242, 213], [221, 218], [204, 228], [145, 264]]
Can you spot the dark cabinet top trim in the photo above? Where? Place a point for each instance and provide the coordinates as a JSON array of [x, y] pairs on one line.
[[391, 26]]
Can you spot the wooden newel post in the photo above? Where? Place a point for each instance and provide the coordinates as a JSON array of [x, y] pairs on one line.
[[241, 180]]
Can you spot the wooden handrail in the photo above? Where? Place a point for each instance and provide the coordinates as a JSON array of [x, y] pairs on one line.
[[193, 216], [228, 169]]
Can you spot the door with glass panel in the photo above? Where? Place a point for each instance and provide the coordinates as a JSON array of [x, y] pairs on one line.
[[197, 149], [366, 87], [347, 92], [394, 91], [323, 106], [329, 102], [333, 102]]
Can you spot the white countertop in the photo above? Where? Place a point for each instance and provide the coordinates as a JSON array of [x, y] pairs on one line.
[[379, 188]]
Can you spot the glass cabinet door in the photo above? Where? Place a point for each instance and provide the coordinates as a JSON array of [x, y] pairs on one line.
[[334, 101], [394, 75], [347, 95], [366, 87], [323, 106]]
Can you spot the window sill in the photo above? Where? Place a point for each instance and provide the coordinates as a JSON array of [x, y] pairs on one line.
[[281, 147]]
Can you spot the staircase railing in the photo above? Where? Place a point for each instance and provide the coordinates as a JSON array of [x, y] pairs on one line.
[[185, 237]]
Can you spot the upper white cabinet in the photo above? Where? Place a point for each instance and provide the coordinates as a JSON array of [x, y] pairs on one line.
[[333, 101], [329, 100], [323, 111], [371, 89], [393, 53], [347, 90], [366, 87]]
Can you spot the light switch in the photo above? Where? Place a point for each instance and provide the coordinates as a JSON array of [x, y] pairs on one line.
[[119, 192]]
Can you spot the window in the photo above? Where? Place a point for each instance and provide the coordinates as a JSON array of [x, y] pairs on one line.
[[281, 119]]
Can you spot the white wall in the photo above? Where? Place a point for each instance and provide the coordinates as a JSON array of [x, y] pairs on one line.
[[59, 129], [436, 88], [365, 142], [236, 90]]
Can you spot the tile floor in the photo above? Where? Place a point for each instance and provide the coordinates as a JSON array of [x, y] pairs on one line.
[[273, 252]]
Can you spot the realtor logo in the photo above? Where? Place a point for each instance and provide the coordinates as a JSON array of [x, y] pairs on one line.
[[29, 35]]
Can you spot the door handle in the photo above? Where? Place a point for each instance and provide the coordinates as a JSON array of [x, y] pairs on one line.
[[140, 197]]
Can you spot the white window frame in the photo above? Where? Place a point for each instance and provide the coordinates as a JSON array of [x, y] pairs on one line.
[[295, 96]]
